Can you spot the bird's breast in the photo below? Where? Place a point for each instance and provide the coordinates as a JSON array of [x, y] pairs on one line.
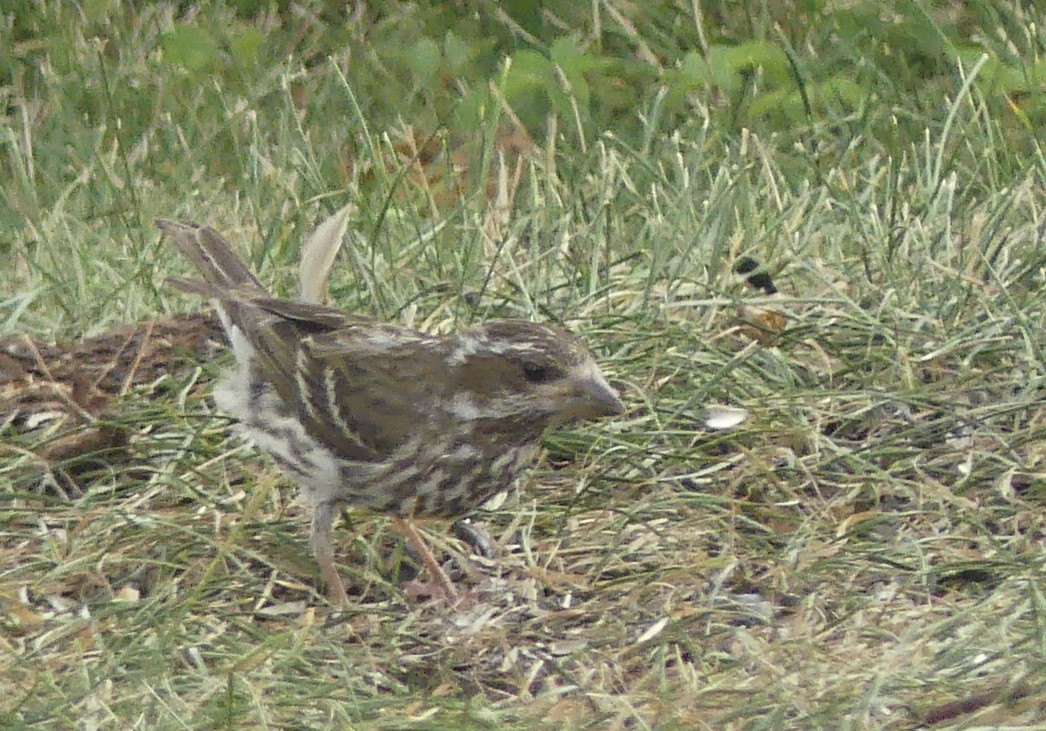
[[443, 477]]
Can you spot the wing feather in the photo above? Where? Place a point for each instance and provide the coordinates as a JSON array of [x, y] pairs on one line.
[[361, 386]]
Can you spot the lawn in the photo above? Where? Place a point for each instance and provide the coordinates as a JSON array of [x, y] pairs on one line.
[[865, 549]]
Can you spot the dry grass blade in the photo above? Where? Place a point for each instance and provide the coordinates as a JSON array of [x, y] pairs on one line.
[[318, 253]]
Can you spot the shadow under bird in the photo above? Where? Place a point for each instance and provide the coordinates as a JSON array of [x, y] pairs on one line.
[[384, 418]]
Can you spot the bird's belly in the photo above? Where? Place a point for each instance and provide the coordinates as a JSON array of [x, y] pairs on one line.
[[266, 422], [446, 476], [443, 480]]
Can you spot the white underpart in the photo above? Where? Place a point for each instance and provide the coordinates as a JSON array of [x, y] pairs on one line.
[[232, 395], [241, 347], [463, 407], [463, 453]]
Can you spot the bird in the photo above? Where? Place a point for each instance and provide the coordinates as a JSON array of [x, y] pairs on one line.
[[375, 416]]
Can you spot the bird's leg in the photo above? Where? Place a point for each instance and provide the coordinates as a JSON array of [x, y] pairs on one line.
[[443, 583], [323, 549]]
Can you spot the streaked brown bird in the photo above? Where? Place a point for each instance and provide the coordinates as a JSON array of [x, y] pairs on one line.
[[381, 417]]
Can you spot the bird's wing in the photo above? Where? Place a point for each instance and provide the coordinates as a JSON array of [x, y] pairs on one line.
[[361, 386], [318, 318]]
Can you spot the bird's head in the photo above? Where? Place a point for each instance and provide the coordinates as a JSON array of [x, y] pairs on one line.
[[528, 373]]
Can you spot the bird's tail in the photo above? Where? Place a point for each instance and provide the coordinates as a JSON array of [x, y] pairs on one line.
[[227, 281], [222, 270]]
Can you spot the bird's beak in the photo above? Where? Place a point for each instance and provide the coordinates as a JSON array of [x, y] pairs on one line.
[[594, 398]]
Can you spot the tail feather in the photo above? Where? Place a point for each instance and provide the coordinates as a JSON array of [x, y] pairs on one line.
[[195, 286], [212, 256], [227, 281]]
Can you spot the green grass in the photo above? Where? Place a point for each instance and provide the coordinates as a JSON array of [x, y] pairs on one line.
[[864, 550]]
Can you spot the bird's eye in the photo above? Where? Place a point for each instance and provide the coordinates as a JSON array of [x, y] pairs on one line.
[[538, 373]]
